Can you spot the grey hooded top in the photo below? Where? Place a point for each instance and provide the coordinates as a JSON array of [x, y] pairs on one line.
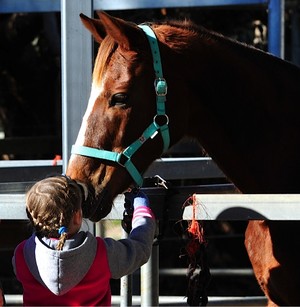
[[60, 271]]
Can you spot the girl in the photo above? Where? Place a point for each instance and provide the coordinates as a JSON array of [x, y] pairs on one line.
[[62, 265]]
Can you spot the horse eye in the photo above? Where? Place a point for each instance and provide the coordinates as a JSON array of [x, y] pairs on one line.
[[119, 100]]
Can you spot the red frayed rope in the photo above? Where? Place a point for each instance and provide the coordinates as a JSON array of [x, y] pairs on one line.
[[194, 228], [197, 281]]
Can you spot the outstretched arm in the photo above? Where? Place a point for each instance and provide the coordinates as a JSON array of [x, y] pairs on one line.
[[127, 255]]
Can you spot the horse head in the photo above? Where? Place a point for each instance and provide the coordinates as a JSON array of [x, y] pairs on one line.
[[121, 106]]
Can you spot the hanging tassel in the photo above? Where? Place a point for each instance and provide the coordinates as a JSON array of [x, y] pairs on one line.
[[194, 229], [195, 248]]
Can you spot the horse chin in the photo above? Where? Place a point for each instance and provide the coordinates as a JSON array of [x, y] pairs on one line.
[[97, 206]]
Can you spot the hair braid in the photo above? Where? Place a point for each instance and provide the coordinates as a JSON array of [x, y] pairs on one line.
[[50, 204], [61, 241]]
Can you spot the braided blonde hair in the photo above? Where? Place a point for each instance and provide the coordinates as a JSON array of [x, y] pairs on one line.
[[50, 204]]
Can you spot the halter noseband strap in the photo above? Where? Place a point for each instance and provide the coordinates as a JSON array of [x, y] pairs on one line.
[[124, 158]]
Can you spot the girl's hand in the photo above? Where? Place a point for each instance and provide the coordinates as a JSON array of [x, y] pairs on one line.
[[137, 198]]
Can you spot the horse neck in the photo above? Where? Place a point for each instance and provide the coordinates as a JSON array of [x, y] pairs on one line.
[[235, 101]]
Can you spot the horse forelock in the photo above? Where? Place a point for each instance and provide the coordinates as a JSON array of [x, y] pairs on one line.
[[106, 49]]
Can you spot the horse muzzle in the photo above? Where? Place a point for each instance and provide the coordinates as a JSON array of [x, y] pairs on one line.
[[96, 206]]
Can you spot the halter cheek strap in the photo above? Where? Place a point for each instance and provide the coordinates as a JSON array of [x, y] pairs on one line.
[[160, 86], [160, 121]]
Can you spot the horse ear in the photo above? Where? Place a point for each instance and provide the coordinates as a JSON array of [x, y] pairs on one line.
[[94, 26], [123, 32]]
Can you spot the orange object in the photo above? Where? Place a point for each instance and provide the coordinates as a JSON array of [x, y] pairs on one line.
[[56, 158]]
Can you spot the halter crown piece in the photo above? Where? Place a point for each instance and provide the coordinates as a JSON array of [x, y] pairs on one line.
[[124, 158]]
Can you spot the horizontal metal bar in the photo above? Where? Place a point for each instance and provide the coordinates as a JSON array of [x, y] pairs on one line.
[[184, 168], [245, 207], [22, 171], [27, 163], [213, 272], [167, 168], [15, 6], [17, 300], [150, 4], [14, 187], [27, 6], [12, 207], [209, 207]]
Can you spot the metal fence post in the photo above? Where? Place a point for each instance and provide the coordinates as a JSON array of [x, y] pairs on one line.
[[150, 279], [276, 27], [126, 285]]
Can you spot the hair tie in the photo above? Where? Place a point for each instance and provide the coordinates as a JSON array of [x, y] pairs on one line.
[[62, 230]]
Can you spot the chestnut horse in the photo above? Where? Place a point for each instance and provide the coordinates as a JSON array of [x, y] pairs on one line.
[[242, 104]]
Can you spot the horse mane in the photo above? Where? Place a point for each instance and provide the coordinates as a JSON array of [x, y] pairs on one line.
[[108, 45], [189, 29], [181, 35], [185, 34]]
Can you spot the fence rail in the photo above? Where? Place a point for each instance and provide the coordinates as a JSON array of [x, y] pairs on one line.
[[17, 300], [226, 207], [167, 168], [212, 203], [229, 206]]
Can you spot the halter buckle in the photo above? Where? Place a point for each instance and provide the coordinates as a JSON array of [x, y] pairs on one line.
[[160, 85], [122, 159]]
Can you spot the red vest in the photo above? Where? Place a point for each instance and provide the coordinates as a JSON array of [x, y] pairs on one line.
[[92, 290]]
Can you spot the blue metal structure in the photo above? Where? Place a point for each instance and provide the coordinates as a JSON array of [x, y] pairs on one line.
[[275, 10], [11, 6], [276, 27]]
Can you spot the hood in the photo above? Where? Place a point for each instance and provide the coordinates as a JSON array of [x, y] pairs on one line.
[[60, 271]]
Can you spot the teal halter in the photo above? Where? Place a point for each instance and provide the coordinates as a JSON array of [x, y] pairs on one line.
[[124, 158]]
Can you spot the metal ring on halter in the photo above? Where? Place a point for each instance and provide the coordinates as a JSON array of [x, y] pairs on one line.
[[159, 116]]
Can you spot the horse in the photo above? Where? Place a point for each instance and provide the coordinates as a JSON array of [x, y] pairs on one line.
[[155, 83]]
